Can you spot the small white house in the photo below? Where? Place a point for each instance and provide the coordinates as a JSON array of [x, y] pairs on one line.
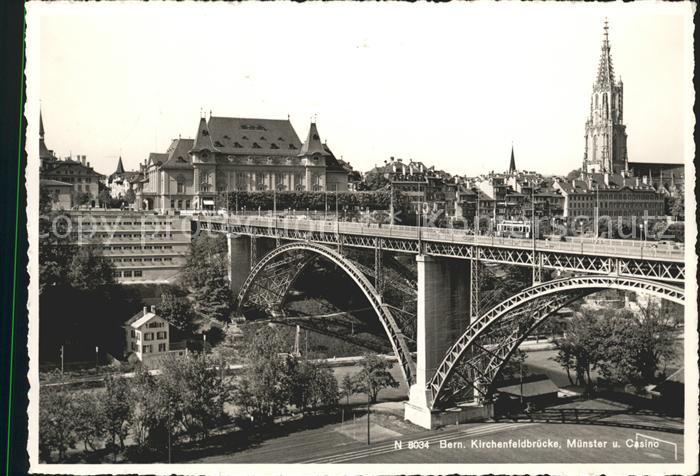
[[147, 335]]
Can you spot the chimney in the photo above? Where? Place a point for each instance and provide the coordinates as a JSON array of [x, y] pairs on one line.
[[403, 169], [153, 308], [82, 159], [606, 178], [145, 310], [636, 181], [644, 180]]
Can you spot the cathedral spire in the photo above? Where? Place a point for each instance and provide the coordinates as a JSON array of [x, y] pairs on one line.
[[606, 75], [511, 167], [41, 126]]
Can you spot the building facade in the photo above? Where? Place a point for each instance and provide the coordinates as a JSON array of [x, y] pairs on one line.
[[60, 193], [147, 335], [236, 154], [144, 247], [167, 180], [613, 195], [232, 154], [121, 181], [605, 137]]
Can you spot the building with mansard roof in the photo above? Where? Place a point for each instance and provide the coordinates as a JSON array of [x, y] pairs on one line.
[[238, 154]]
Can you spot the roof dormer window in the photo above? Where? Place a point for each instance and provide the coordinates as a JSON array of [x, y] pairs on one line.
[[262, 138], [218, 144], [237, 145], [255, 145], [292, 146], [273, 146], [205, 132], [244, 138]]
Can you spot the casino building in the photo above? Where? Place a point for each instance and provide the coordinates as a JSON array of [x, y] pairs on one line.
[[229, 154]]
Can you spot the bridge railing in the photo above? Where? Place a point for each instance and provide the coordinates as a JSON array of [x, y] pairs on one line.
[[626, 248]]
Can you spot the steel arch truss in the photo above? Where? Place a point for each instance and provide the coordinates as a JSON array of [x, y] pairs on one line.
[[269, 282], [475, 360]]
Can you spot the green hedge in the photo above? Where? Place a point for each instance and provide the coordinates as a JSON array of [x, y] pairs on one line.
[[373, 200]]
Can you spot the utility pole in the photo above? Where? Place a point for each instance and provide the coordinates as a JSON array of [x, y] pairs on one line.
[[97, 353], [368, 412], [169, 431], [61, 360], [521, 384]]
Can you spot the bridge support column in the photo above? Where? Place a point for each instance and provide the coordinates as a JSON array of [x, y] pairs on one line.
[[443, 316], [238, 260]]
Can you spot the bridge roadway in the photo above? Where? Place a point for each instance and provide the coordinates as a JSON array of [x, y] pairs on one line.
[[627, 258]]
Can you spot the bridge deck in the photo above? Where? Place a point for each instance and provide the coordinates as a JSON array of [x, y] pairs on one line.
[[625, 257]]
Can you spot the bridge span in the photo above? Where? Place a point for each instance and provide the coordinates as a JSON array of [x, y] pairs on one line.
[[630, 258], [460, 348]]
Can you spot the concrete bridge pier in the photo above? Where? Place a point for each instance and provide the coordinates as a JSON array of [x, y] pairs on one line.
[[443, 316], [243, 252]]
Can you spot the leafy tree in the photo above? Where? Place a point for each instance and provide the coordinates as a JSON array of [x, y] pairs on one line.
[[514, 366], [89, 270], [574, 174], [57, 423], [265, 387], [148, 427], [56, 248], [117, 410], [313, 385], [177, 310], [104, 198], [80, 198], [196, 393], [130, 196], [635, 344], [90, 421], [579, 349], [206, 276], [347, 388], [213, 298], [374, 376]]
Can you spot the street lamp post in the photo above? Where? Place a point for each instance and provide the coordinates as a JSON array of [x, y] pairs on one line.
[[61, 360], [97, 353], [597, 211], [391, 203]]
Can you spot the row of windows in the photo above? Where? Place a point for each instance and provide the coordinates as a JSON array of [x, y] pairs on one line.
[[134, 235], [139, 248], [140, 260], [148, 336], [178, 203], [77, 180], [148, 349], [155, 324], [128, 273], [161, 223]]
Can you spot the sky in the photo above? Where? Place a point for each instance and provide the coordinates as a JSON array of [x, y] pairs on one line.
[[452, 85]]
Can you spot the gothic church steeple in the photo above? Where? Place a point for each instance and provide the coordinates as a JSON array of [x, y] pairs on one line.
[[606, 137]]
